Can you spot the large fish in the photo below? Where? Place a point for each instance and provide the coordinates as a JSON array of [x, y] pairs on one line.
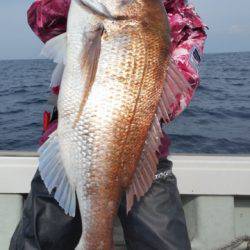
[[118, 85]]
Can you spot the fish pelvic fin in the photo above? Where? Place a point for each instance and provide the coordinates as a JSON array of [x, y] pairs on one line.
[[55, 49], [54, 176], [176, 96], [90, 59]]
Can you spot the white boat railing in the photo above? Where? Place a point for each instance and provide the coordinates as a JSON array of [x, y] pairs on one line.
[[215, 192], [196, 174]]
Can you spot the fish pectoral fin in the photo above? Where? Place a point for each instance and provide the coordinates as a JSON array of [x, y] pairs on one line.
[[54, 176], [90, 58], [91, 55]]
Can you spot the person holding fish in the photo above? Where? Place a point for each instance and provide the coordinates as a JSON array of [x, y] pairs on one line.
[[124, 69]]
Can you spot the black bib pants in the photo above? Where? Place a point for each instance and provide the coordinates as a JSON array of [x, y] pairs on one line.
[[157, 222]]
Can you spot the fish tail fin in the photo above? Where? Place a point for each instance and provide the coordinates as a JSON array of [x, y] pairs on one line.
[[54, 176]]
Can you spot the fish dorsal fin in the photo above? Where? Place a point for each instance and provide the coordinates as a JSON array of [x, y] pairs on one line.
[[90, 60], [147, 166], [175, 96], [54, 176]]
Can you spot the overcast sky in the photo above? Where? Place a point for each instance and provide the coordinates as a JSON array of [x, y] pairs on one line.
[[228, 20]]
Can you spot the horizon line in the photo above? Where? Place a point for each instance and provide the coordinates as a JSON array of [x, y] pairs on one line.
[[206, 53]]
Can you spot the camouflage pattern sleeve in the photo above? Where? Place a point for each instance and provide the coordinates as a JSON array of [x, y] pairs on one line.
[[188, 35], [48, 18]]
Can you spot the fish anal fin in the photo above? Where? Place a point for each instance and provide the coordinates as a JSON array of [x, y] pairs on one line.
[[54, 175]]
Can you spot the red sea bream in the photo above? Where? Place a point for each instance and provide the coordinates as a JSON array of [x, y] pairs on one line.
[[118, 85]]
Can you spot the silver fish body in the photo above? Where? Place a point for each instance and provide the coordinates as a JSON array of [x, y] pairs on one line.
[[117, 59]]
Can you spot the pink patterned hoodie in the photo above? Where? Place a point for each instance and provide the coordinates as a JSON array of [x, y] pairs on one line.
[[48, 18]]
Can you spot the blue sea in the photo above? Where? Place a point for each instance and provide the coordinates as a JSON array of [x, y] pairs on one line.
[[216, 122]]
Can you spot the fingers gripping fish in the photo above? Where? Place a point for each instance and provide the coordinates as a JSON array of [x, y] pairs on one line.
[[117, 85]]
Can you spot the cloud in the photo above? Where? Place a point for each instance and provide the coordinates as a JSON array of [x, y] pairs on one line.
[[237, 29]]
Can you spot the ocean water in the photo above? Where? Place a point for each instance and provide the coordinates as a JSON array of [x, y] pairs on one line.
[[216, 122]]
